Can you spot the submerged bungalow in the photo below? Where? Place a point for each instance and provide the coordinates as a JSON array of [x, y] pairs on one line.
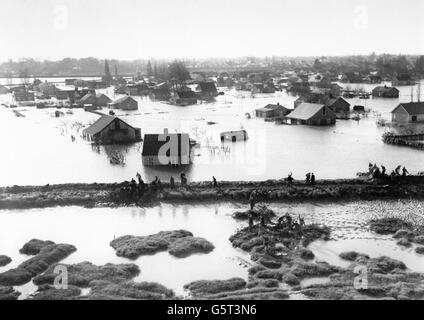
[[184, 98], [403, 80], [166, 149], [338, 105], [312, 114], [408, 112], [272, 111], [110, 129], [124, 103], [206, 90], [385, 92], [234, 136]]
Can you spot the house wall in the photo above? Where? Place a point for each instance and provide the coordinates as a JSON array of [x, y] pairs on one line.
[[340, 106], [264, 114], [400, 115]]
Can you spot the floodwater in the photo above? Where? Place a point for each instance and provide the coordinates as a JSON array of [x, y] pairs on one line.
[[91, 231], [37, 148], [350, 229]]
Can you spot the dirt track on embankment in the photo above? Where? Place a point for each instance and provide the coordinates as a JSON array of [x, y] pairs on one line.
[[21, 197]]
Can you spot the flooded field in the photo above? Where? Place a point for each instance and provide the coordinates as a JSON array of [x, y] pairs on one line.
[[39, 149], [91, 231]]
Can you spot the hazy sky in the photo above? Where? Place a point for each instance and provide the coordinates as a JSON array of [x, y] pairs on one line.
[[130, 29]]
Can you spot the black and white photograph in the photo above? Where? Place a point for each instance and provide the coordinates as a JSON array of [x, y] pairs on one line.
[[194, 150]]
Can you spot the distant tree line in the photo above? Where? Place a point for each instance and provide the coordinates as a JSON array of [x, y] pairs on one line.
[[164, 69]]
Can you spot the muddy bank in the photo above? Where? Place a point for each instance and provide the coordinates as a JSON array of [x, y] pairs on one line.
[[179, 243], [407, 232], [4, 260], [107, 282], [48, 254], [271, 190], [380, 278]]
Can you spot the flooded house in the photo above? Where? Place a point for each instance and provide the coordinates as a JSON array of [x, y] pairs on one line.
[[160, 93], [138, 89], [311, 114], [167, 149], [234, 136], [124, 103], [102, 100], [224, 81], [109, 129], [410, 112], [184, 98], [404, 79], [272, 111], [338, 105], [88, 99], [258, 87], [385, 92], [206, 90]]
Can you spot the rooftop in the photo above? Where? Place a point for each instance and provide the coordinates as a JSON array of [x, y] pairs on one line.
[[305, 111], [412, 107], [99, 125], [152, 145]]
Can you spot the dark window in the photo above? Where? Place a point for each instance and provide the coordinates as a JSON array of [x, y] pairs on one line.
[[323, 111], [414, 118]]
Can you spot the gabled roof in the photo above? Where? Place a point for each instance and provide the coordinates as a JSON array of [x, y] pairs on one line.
[[88, 96], [264, 109], [332, 101], [274, 107], [385, 89], [99, 125], [123, 99], [412, 108], [102, 95], [152, 145], [305, 111], [207, 86]]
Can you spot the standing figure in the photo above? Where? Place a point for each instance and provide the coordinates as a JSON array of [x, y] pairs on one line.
[[290, 179], [172, 182], [312, 179], [404, 172], [215, 184], [252, 200], [308, 178], [183, 179], [383, 170]]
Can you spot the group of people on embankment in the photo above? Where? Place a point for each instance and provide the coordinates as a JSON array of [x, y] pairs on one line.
[[381, 173]]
